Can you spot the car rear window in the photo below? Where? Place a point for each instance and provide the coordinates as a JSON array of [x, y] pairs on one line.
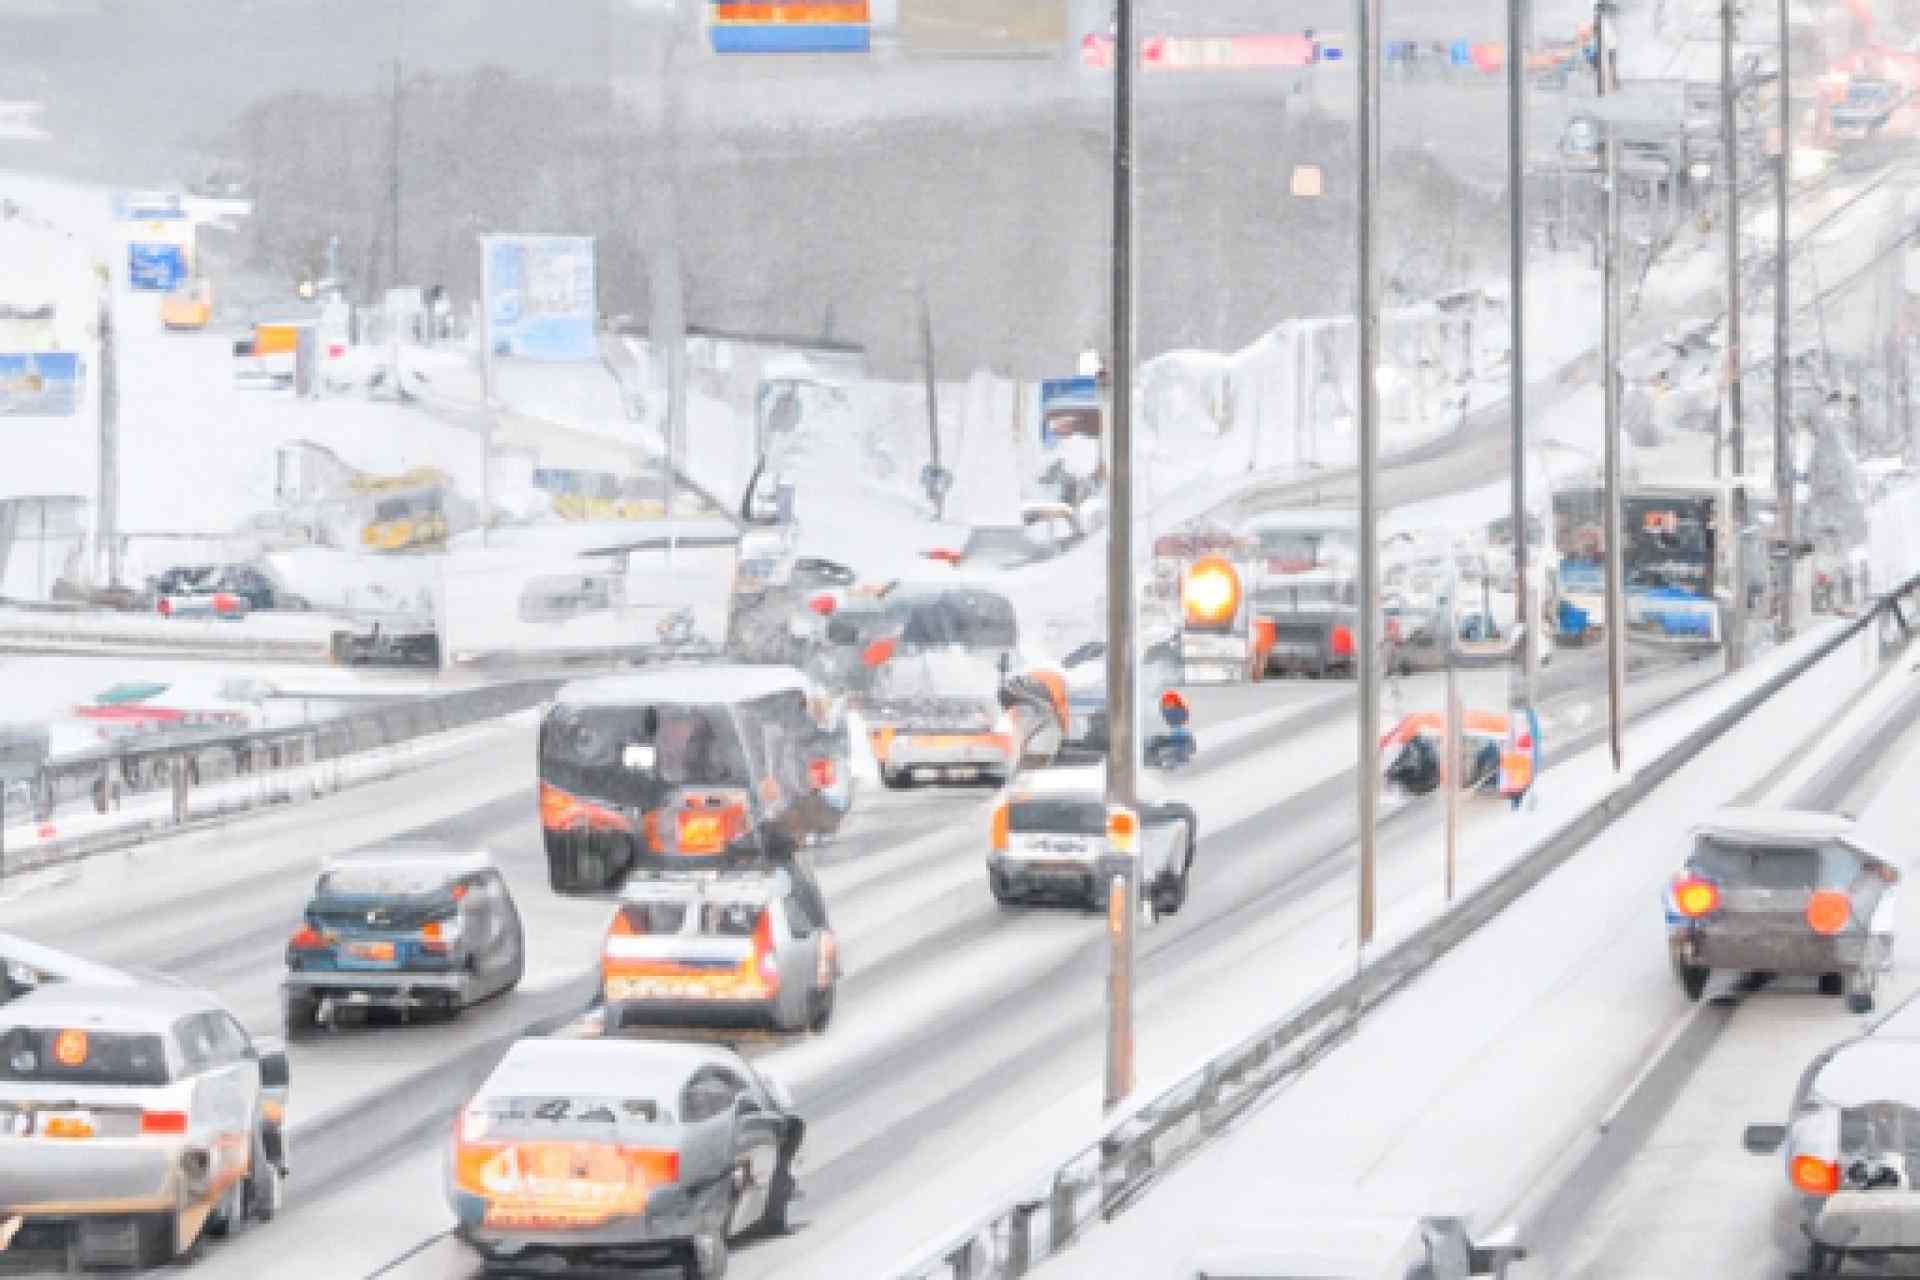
[[1763, 866], [566, 1116], [655, 917], [60, 1055], [395, 880], [1069, 817], [730, 919]]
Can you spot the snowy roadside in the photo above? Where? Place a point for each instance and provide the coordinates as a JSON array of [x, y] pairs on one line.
[[36, 849]]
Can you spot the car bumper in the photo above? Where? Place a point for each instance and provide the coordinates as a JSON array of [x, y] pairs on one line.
[[666, 1228], [974, 752], [374, 987], [1882, 1221], [47, 1181], [1780, 950]]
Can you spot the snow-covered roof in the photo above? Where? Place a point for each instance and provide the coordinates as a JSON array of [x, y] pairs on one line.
[[613, 1066], [715, 683], [1793, 826]]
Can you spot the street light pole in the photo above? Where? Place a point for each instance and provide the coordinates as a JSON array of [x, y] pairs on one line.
[[1783, 462], [1368, 463], [1121, 747], [1614, 552], [1524, 621], [1730, 152]]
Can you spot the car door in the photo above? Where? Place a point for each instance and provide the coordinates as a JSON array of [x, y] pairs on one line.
[[805, 939], [499, 955], [223, 1098], [756, 1140]]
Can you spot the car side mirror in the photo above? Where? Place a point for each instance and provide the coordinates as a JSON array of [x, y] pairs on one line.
[[747, 1105], [275, 1071], [1763, 1139]]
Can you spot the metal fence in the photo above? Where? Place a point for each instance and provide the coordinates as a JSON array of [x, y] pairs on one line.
[[124, 789], [1145, 1139]]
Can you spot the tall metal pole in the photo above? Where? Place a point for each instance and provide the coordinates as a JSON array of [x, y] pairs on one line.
[[393, 177], [1730, 153], [1525, 624], [1616, 613], [936, 489], [108, 521], [1600, 48], [1121, 781], [1368, 463], [1783, 468], [486, 389]]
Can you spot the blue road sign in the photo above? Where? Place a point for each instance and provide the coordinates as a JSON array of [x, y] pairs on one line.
[[155, 268]]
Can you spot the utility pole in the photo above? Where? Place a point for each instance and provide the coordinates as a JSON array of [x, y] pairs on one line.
[[1730, 153], [108, 519], [1783, 469], [1369, 468], [936, 482], [1121, 748], [1525, 624], [1615, 549], [393, 190]]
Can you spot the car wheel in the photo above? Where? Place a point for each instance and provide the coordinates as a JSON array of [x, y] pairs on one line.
[[159, 1240], [896, 779], [1822, 1261], [263, 1183], [822, 1011], [1832, 984], [301, 1013], [1693, 980], [779, 1202], [1002, 889], [1860, 1002], [1172, 895], [706, 1258], [230, 1215]]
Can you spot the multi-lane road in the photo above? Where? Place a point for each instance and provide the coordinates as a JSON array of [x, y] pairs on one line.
[[968, 1035]]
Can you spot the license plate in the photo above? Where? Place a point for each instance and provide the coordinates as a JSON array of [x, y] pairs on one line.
[[654, 988], [65, 1124], [371, 951]]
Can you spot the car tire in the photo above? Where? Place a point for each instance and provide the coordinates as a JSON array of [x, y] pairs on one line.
[[1693, 980], [158, 1242], [1833, 984], [1002, 889], [822, 1014], [229, 1217], [1171, 895], [1822, 1261], [1860, 1002], [301, 1014], [714, 1267], [263, 1184], [896, 779]]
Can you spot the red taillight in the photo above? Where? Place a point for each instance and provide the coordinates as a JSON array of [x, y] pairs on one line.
[[764, 960], [165, 606], [1694, 897], [1828, 911], [822, 772], [163, 1122], [433, 938], [1002, 822], [625, 924], [1815, 1176], [1342, 642], [822, 605], [311, 939], [561, 811]]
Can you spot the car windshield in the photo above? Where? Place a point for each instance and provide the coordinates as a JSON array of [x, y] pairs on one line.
[[56, 1055], [969, 618], [1871, 1071]]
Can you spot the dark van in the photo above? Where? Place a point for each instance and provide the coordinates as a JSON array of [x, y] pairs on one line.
[[686, 768]]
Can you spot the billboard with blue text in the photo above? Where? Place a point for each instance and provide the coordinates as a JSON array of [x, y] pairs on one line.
[[541, 301]]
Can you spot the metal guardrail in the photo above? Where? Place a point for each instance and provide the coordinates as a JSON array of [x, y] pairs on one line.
[[1149, 1137], [176, 763]]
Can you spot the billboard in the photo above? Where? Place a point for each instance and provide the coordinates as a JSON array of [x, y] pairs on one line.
[[40, 384], [1012, 27], [831, 27], [155, 267], [540, 296], [1069, 407]]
